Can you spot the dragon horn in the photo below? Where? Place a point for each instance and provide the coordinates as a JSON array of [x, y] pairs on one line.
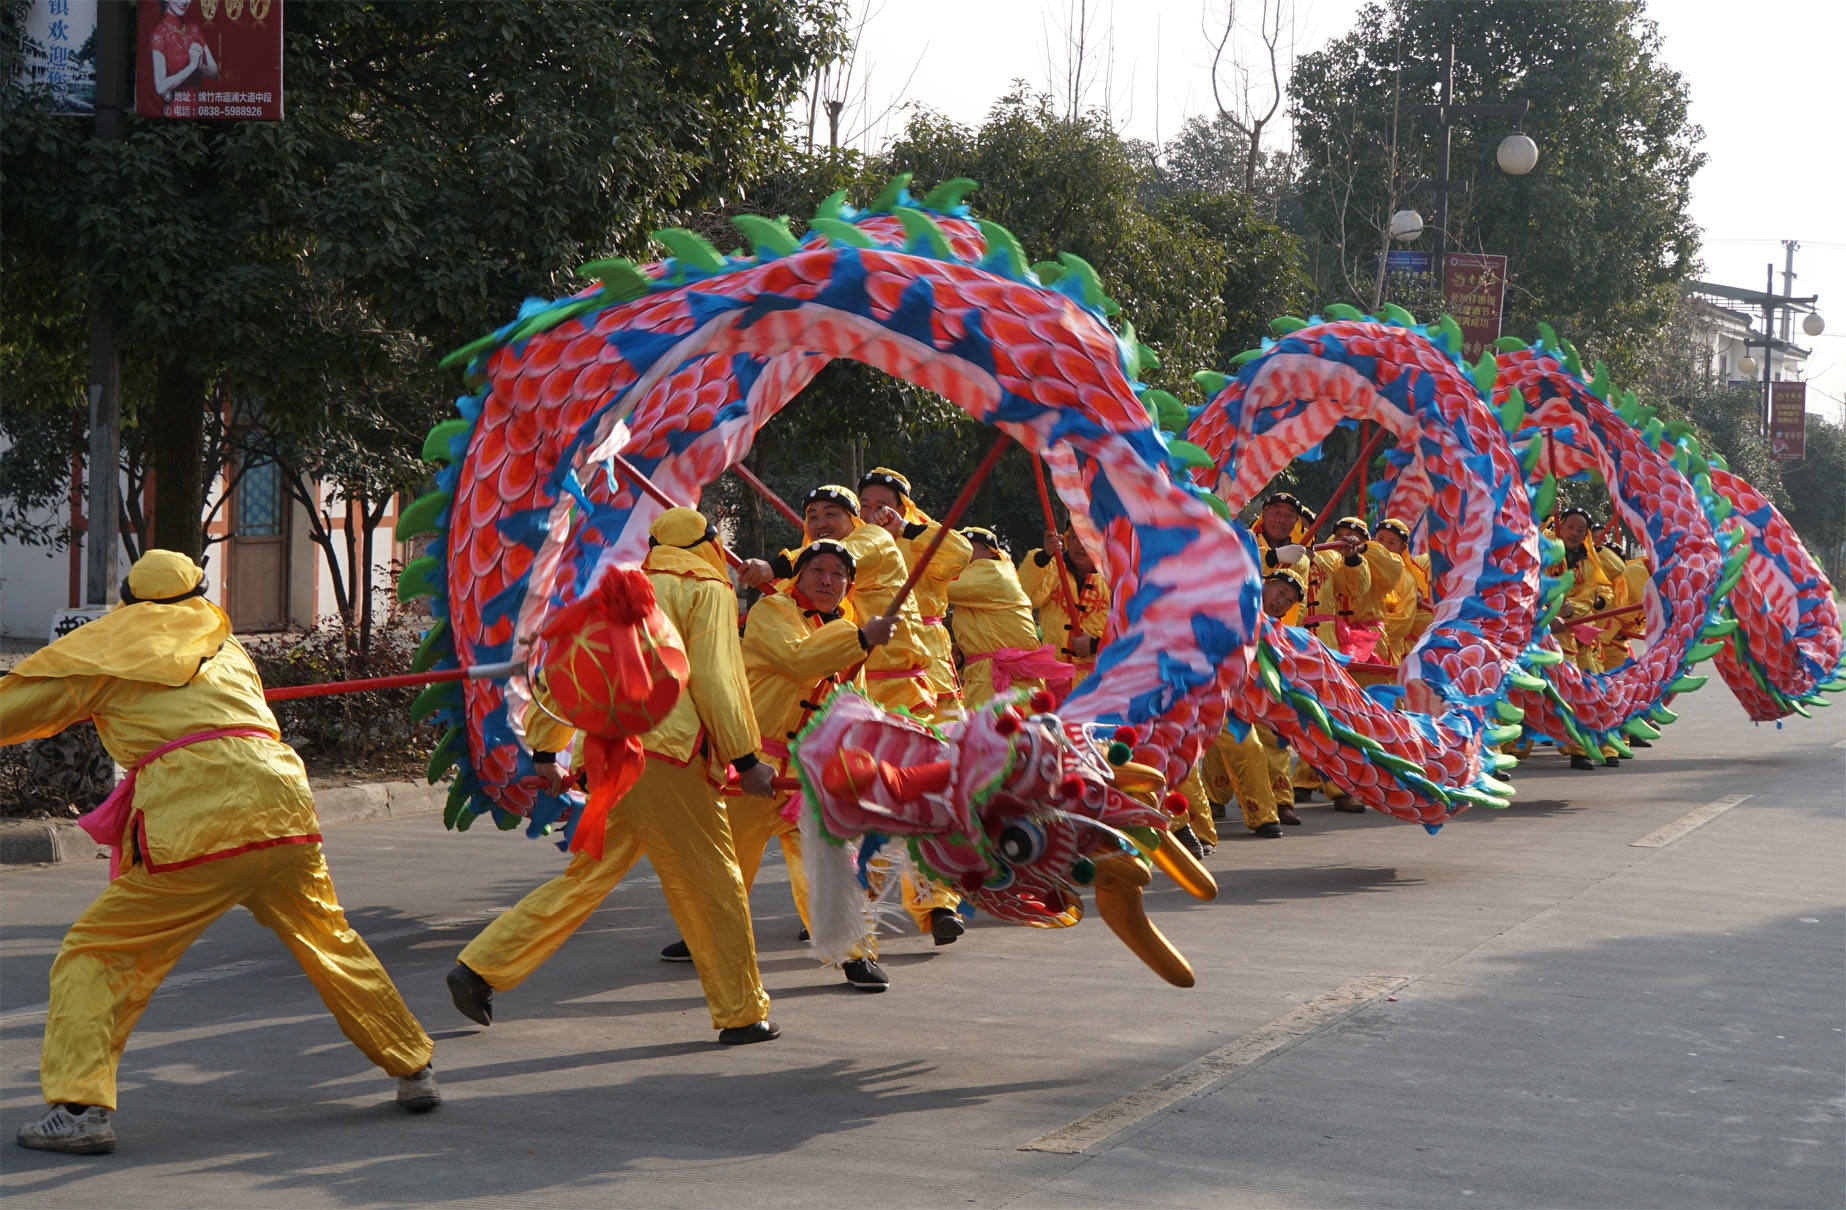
[[1119, 879]]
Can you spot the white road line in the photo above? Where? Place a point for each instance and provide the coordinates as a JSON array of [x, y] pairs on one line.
[[1685, 823], [1221, 1064]]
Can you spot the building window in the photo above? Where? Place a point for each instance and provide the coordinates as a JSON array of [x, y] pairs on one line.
[[259, 501]]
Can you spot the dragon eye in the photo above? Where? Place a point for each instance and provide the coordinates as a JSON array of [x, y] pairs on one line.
[[1021, 841]]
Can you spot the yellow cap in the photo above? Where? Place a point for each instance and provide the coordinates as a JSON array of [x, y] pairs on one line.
[[161, 575]]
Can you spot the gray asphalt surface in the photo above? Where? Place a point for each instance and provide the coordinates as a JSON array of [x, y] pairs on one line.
[[1529, 1009]]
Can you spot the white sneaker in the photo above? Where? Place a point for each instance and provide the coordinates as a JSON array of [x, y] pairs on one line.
[[417, 1092], [86, 1133]]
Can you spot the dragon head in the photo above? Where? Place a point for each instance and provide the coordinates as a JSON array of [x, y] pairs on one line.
[[1012, 806]]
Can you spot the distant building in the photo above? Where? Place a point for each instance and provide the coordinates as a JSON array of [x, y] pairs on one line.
[[1729, 319], [261, 566]]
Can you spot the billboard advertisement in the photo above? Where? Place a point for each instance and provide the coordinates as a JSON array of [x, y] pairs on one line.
[[209, 59], [1788, 420], [58, 59], [1474, 289]]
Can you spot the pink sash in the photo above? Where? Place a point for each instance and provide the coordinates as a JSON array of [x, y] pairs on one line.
[[107, 822], [1041, 663]]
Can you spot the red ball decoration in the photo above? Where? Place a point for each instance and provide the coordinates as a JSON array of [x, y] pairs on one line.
[[1125, 735], [613, 664], [1070, 786], [1042, 701], [1008, 722], [1176, 804], [971, 883]]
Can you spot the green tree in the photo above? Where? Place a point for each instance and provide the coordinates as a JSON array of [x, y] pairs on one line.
[[1197, 273], [1599, 234], [439, 163]]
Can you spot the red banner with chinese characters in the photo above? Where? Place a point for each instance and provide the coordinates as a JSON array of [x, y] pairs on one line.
[[211, 59], [1473, 289], [1788, 420]]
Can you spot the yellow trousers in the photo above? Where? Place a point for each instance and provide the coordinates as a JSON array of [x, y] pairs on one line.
[[753, 822], [673, 816], [1198, 805], [1242, 767], [124, 944]]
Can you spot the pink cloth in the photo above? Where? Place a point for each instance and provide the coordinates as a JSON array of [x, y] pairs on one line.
[[1040, 663], [107, 822]]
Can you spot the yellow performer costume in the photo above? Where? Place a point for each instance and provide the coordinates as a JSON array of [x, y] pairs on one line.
[[1590, 592], [1241, 768], [1410, 615], [795, 656], [673, 814], [1354, 591], [1044, 585], [897, 672], [931, 592], [994, 626], [213, 822], [1627, 584], [1267, 547]]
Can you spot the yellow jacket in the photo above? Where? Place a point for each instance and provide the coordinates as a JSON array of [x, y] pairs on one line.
[[1044, 586], [1359, 594], [992, 610], [714, 712], [931, 596], [199, 803], [1293, 616], [1403, 604], [793, 662], [879, 572]]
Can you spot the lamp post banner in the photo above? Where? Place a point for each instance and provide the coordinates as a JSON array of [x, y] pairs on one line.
[[219, 60], [58, 59], [1474, 289], [1788, 420]]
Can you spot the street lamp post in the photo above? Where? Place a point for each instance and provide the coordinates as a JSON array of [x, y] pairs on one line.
[[1516, 154]]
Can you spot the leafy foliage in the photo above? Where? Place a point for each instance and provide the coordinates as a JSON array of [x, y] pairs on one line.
[[1599, 234]]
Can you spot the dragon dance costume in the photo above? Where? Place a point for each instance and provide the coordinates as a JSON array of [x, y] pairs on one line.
[[673, 813], [216, 812]]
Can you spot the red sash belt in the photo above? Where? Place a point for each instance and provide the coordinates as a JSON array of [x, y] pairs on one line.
[[107, 823]]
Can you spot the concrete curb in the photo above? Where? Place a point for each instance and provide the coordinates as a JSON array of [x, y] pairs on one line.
[[38, 842]]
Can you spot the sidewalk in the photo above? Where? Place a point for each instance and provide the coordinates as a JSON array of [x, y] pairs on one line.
[[44, 842]]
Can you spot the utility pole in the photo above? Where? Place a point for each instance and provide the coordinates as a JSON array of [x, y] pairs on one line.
[[105, 360], [1445, 112], [1788, 287]]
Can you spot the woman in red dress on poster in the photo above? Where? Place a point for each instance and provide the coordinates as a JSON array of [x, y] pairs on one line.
[[180, 57]]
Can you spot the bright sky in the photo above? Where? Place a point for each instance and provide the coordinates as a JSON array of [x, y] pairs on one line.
[[1763, 88]]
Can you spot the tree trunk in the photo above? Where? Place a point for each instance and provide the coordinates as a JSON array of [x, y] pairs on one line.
[[178, 459]]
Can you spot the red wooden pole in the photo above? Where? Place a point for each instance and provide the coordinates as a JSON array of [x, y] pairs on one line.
[[652, 490], [289, 693], [766, 492], [1359, 465], [949, 519], [1051, 531]]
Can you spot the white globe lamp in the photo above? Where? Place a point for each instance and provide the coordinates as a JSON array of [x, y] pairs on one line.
[[1813, 325], [1517, 155], [1406, 225], [1747, 366]]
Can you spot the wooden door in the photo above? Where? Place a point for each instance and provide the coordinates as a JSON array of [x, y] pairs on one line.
[[257, 567]]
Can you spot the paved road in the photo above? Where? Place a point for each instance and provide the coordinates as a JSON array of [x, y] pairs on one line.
[[1528, 1009]]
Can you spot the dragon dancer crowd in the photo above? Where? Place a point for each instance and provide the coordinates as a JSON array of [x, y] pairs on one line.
[[216, 811]]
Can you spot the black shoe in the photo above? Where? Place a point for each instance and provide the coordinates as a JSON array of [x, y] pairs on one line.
[[743, 1035], [1640, 743], [803, 936], [1268, 831], [1285, 813], [474, 999], [865, 974], [1302, 794], [1611, 762], [1188, 841], [1348, 804], [945, 926], [1217, 810], [1582, 762], [677, 952]]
